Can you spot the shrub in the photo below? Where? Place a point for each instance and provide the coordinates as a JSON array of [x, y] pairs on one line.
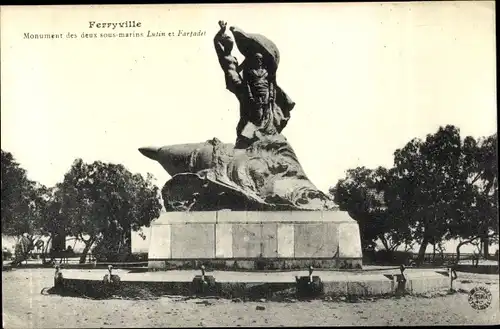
[[6, 254], [393, 257], [369, 256], [138, 257], [106, 251]]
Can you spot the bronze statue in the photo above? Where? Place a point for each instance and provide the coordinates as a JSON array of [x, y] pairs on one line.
[[264, 106], [260, 172]]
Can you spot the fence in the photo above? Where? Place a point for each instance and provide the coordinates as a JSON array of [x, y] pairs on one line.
[[449, 257], [384, 257]]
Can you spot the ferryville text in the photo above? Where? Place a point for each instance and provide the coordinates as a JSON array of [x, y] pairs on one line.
[[126, 24]]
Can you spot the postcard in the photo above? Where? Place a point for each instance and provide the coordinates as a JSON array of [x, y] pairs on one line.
[[291, 164]]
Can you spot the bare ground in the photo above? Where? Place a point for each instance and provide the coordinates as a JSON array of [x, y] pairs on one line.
[[24, 306]]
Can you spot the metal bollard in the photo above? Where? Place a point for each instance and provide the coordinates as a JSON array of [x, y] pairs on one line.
[[203, 274], [309, 286], [58, 277], [203, 284], [402, 269], [311, 269], [399, 281], [452, 274], [111, 278]]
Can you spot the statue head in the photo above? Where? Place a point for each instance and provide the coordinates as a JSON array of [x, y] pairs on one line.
[[257, 61]]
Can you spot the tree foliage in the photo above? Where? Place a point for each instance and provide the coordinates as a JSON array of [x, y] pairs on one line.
[[27, 207], [364, 193], [432, 184], [439, 188], [480, 216], [101, 199], [18, 199]]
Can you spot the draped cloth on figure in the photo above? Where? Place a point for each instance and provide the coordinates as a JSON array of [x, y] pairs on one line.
[[214, 176], [249, 44]]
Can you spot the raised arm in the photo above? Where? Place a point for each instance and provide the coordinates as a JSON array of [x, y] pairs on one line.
[[229, 64], [218, 40]]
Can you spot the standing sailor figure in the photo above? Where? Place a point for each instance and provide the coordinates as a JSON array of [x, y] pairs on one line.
[[264, 106]]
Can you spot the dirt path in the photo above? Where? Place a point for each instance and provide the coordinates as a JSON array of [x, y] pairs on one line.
[[25, 307]]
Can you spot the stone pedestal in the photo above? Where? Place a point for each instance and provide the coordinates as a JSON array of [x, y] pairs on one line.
[[255, 240]]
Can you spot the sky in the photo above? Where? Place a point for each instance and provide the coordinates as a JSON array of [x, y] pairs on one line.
[[366, 78]]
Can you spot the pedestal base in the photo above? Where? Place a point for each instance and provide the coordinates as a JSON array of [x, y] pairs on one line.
[[255, 240]]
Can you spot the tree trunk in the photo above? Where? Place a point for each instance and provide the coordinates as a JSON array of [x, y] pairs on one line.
[[128, 240], [58, 242], [46, 250], [486, 243], [457, 260], [421, 251], [384, 242], [88, 245], [460, 245], [394, 247]]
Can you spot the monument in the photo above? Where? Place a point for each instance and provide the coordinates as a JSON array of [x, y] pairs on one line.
[[251, 203]]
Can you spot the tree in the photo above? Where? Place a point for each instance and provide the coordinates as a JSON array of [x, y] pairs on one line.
[[432, 184], [484, 174], [439, 188], [53, 224], [479, 218], [18, 193], [100, 199], [364, 195], [23, 206], [397, 230]]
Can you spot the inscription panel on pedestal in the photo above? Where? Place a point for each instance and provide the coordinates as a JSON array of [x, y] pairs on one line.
[[160, 242], [193, 241], [270, 240], [247, 240], [286, 238], [316, 240]]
